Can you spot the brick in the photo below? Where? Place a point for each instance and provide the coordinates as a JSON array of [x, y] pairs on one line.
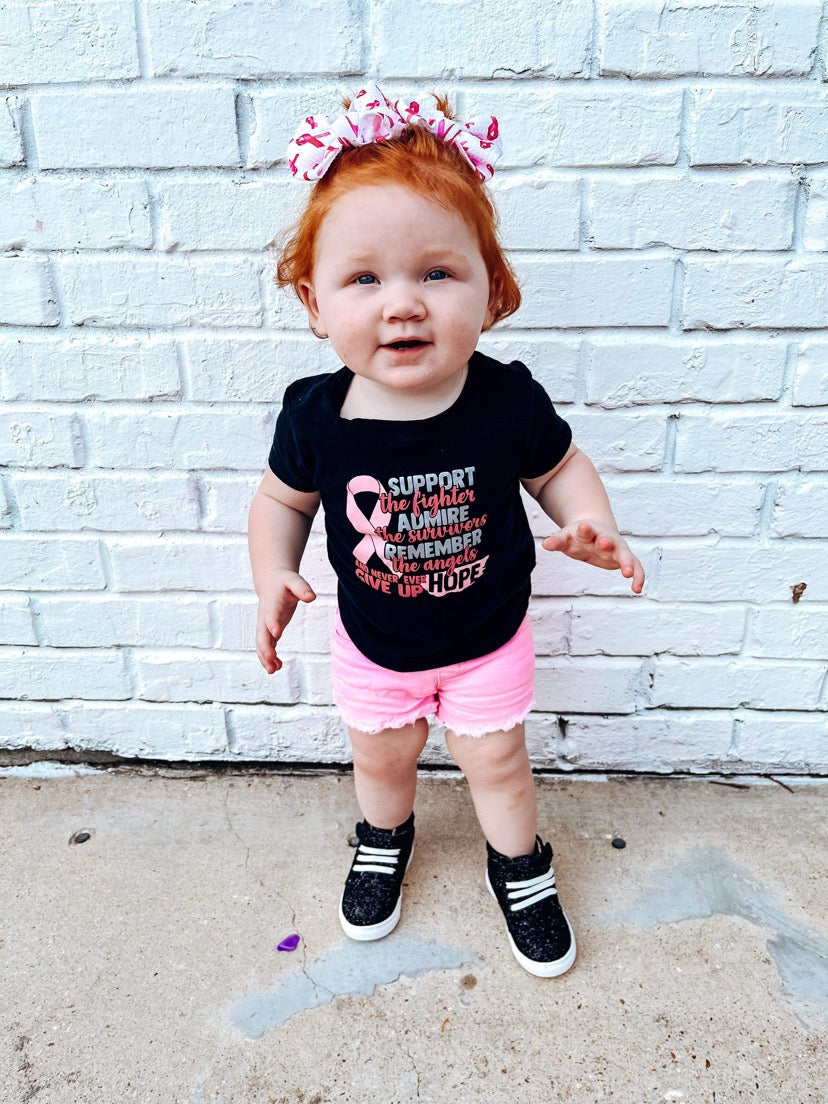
[[68, 40], [580, 291], [472, 39], [587, 125], [642, 39], [755, 684], [787, 632], [751, 442], [693, 369], [702, 211], [815, 234], [784, 742], [88, 366], [171, 438], [30, 438], [16, 619], [138, 729], [538, 212], [30, 726], [227, 501], [27, 297], [663, 742], [811, 379], [647, 628], [731, 571], [223, 214], [800, 510], [295, 734], [758, 126], [212, 677], [161, 291], [309, 630], [552, 361], [46, 674], [275, 115], [5, 509], [252, 369], [255, 38], [150, 127], [315, 680], [11, 147], [586, 685], [107, 621], [725, 294], [69, 563], [620, 441], [108, 502], [182, 563], [74, 214], [551, 625], [685, 507]]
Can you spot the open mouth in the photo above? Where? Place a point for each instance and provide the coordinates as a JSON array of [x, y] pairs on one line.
[[414, 343]]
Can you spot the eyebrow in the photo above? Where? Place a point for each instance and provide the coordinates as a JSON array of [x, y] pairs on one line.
[[435, 253]]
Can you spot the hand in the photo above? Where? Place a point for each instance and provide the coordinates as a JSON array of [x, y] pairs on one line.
[[598, 544], [276, 607]]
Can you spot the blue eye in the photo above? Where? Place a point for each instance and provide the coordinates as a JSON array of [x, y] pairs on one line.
[[437, 274], [366, 278]]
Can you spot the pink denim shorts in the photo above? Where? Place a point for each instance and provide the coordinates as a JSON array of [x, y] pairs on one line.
[[490, 694]]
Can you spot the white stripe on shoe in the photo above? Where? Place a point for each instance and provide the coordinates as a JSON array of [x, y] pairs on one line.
[[533, 889], [379, 860]]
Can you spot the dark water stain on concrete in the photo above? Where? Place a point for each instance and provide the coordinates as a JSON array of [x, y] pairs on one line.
[[352, 969], [709, 882]]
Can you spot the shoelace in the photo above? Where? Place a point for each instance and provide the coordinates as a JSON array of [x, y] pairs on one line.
[[379, 860], [532, 890]]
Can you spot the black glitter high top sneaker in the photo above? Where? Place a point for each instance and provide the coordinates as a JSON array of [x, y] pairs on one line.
[[539, 933], [372, 897]]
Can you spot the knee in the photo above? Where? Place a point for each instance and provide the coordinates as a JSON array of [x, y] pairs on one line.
[[490, 761]]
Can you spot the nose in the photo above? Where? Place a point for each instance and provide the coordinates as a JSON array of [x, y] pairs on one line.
[[403, 301]]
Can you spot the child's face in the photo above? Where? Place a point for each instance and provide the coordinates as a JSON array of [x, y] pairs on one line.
[[391, 267]]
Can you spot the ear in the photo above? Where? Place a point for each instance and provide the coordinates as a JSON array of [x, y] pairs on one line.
[[491, 309], [308, 296]]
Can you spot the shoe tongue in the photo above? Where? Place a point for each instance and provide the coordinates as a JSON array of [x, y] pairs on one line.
[[536, 862], [380, 837]]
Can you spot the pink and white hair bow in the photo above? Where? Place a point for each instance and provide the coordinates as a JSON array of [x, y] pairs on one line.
[[373, 118]]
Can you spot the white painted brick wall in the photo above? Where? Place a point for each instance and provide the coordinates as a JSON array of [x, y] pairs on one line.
[[665, 199]]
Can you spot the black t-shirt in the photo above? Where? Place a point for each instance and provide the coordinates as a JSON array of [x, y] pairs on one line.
[[426, 529]]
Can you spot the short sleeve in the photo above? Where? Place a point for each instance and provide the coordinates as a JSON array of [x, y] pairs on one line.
[[288, 459], [548, 435]]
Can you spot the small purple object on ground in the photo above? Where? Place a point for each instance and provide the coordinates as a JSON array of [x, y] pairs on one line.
[[289, 943]]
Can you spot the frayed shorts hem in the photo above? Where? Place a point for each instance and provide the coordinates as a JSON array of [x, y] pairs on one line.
[[476, 732]]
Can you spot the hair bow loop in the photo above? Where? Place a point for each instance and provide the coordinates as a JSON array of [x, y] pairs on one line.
[[373, 118]]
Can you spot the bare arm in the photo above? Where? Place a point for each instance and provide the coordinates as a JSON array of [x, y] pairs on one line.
[[278, 526], [573, 495]]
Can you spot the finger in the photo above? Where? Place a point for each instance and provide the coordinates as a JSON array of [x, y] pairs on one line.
[[301, 589], [638, 577], [557, 542], [268, 659], [586, 532]]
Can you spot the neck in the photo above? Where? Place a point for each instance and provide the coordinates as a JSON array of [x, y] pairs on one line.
[[368, 399]]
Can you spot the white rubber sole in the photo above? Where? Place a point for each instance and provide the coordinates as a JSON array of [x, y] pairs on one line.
[[366, 933], [541, 969]]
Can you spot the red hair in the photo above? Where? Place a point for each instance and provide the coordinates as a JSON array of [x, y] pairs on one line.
[[418, 160]]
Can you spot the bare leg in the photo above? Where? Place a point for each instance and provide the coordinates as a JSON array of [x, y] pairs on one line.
[[385, 772], [502, 787]]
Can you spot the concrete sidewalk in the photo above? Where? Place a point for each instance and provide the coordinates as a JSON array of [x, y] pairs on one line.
[[142, 966]]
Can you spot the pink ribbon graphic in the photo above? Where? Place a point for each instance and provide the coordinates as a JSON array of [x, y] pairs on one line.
[[373, 118], [371, 543]]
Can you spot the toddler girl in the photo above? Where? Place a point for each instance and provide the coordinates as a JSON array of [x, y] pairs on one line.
[[417, 449]]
